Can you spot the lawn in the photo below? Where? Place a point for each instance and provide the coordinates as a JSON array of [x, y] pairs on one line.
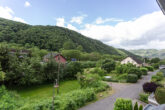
[[46, 90]]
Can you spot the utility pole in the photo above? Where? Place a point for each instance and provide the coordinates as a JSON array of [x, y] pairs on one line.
[[58, 74]]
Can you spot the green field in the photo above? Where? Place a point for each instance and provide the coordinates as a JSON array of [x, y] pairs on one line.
[[46, 90]]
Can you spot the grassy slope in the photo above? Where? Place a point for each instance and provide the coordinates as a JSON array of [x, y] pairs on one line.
[[46, 90]]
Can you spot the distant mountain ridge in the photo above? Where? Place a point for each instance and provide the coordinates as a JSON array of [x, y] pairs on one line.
[[151, 53], [51, 37]]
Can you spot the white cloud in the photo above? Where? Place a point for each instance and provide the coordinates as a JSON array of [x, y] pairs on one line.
[[19, 19], [100, 20], [70, 26], [78, 19], [8, 13], [147, 31], [27, 4], [60, 22]]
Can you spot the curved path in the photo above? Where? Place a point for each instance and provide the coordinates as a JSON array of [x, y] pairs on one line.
[[128, 91]]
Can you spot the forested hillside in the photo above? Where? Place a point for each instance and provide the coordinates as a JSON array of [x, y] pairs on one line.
[[151, 53], [52, 38]]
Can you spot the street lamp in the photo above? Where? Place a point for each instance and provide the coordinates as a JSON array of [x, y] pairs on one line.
[[161, 4]]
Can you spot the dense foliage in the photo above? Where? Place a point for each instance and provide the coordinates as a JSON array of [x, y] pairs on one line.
[[51, 38], [144, 71], [132, 78], [108, 65], [8, 100]]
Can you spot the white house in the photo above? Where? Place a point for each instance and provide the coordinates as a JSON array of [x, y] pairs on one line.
[[132, 60]]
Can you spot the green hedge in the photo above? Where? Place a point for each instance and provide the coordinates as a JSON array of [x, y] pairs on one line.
[[132, 78], [144, 97], [160, 95], [144, 71], [123, 104], [150, 68]]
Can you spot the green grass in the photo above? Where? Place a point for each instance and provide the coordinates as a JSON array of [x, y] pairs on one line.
[[46, 90]]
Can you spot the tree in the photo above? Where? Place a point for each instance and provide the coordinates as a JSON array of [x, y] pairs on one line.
[[69, 45], [80, 48], [2, 75], [155, 60], [108, 65], [136, 71], [141, 107], [136, 106]]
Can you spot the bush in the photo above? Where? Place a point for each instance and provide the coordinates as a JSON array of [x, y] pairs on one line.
[[123, 104], [156, 65], [144, 71], [72, 69], [98, 71], [8, 99], [88, 64], [136, 106], [132, 78], [149, 87], [150, 68], [158, 77], [135, 71], [160, 95], [108, 65], [144, 97], [141, 107]]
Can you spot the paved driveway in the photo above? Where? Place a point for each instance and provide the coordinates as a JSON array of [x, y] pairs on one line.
[[129, 91]]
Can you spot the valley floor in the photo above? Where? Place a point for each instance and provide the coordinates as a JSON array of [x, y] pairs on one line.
[[122, 91]]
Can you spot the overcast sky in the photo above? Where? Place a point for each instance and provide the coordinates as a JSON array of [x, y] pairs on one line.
[[129, 24]]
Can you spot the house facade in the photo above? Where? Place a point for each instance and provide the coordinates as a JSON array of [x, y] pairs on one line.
[[57, 57], [133, 61]]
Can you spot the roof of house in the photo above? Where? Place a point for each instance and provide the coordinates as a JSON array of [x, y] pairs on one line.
[[135, 59], [153, 107], [49, 55]]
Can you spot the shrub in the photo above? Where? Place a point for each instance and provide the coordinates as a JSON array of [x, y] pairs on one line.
[[8, 99], [150, 68], [136, 71], [72, 69], [123, 76], [88, 64], [156, 65], [144, 97], [144, 71], [136, 106], [132, 78], [149, 87], [160, 95], [158, 77], [123, 104], [98, 71], [141, 107], [108, 65]]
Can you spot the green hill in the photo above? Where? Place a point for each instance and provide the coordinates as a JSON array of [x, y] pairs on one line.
[[151, 53], [50, 37]]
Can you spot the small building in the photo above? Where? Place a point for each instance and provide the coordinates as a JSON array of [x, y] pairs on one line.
[[133, 61], [56, 56]]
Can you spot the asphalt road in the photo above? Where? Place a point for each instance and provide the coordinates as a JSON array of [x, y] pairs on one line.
[[131, 91]]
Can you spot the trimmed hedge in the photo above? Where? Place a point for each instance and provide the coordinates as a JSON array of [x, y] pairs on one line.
[[123, 104], [144, 71], [150, 68], [132, 78], [160, 95], [135, 71]]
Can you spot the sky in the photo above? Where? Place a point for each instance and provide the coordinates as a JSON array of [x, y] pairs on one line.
[[128, 24]]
